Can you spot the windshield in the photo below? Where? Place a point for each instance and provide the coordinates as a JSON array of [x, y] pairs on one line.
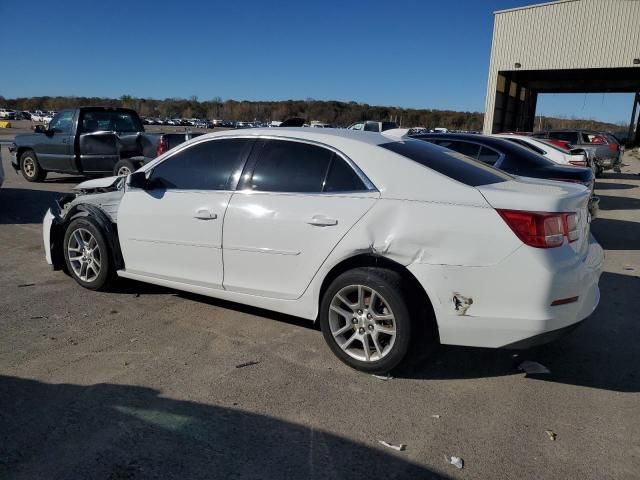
[[447, 162]]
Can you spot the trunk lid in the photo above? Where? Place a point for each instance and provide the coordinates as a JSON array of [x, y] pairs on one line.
[[536, 195]]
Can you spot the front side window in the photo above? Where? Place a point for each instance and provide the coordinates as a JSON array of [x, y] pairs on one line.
[[357, 126], [204, 166], [285, 166], [62, 122]]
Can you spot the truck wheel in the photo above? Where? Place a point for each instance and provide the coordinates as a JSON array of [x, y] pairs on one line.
[[124, 167], [30, 168], [87, 254]]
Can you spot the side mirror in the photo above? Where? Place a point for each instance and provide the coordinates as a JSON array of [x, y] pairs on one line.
[[138, 180], [40, 129]]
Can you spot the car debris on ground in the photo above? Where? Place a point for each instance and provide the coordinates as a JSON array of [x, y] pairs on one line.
[[247, 364], [457, 462], [398, 448], [551, 434]]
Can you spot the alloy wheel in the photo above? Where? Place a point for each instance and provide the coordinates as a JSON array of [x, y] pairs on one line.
[[362, 323], [84, 255]]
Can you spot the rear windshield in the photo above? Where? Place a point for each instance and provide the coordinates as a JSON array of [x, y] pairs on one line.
[[116, 120], [447, 162]]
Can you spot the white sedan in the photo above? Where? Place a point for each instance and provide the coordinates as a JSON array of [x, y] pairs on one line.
[[374, 237], [577, 158]]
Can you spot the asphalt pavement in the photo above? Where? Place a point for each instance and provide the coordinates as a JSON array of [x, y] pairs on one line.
[[147, 382]]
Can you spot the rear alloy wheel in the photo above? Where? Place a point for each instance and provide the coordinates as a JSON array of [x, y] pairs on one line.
[[87, 254], [365, 320], [30, 168]]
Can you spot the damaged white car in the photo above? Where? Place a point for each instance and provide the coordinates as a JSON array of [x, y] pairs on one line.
[[374, 237]]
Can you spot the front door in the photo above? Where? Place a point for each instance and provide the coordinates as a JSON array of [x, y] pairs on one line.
[[55, 148], [173, 229]]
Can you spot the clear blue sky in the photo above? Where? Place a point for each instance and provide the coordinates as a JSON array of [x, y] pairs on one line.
[[421, 54]]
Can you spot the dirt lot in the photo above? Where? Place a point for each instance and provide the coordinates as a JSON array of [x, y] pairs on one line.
[[146, 382]]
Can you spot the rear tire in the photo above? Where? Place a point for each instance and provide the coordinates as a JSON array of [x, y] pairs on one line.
[[30, 168], [365, 319], [124, 167], [87, 254]]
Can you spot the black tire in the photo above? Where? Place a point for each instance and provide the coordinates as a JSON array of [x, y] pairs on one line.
[[30, 167], [389, 285], [599, 171], [123, 165], [106, 274]]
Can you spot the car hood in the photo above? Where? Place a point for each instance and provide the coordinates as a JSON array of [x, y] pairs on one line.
[[101, 184]]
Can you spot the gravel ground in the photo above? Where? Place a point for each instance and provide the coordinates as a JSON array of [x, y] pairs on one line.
[[147, 382]]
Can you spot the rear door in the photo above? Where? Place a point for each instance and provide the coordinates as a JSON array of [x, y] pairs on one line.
[[55, 149], [173, 229], [296, 202]]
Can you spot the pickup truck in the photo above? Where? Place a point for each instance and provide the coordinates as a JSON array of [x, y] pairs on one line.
[[92, 141]]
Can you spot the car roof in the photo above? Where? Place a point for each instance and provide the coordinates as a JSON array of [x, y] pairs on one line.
[[322, 135]]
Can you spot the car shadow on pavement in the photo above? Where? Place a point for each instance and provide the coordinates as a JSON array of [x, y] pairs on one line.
[[608, 202], [124, 432], [614, 186], [24, 206], [601, 353], [616, 234], [620, 176]]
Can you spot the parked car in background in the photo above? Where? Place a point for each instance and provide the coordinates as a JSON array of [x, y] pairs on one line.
[[514, 159], [561, 156], [90, 141], [371, 126], [7, 114], [476, 257], [604, 155]]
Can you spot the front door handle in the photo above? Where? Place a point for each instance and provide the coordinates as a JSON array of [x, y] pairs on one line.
[[205, 214], [322, 221]]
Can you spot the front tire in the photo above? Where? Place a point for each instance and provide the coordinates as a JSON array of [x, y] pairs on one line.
[[30, 167], [87, 254], [365, 319]]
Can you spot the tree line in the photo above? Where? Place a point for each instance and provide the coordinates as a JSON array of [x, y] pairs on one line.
[[333, 112]]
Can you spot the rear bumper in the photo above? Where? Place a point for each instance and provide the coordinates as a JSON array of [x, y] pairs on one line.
[[512, 300]]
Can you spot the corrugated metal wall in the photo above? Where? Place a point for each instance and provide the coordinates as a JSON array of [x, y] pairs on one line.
[[571, 34], [563, 35]]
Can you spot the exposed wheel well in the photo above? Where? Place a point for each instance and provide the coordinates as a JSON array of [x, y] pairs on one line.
[[418, 298]]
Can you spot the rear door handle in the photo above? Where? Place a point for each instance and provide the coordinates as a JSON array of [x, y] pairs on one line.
[[322, 221], [205, 214]]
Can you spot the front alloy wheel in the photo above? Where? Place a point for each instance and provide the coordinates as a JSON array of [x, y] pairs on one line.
[[84, 255], [87, 254]]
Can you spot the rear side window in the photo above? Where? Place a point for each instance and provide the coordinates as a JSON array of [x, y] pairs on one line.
[[285, 166], [116, 120], [466, 148], [371, 127], [458, 167], [203, 166], [488, 156], [342, 178], [528, 145]]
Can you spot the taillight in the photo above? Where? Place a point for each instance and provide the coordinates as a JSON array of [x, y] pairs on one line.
[[163, 146], [578, 163], [542, 229], [613, 147]]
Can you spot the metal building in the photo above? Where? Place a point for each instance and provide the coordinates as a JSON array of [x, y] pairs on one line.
[[567, 46]]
